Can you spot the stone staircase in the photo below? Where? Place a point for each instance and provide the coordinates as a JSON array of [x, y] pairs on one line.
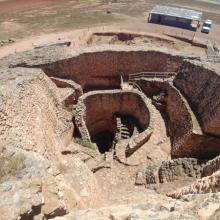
[[122, 131], [125, 134]]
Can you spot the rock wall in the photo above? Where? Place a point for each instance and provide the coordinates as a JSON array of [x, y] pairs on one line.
[[31, 116], [201, 87], [102, 105], [187, 139], [65, 83], [211, 167], [170, 171], [169, 102], [102, 69], [209, 184]]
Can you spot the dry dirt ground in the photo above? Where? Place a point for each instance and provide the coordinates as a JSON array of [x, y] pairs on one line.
[[40, 22], [19, 19], [9, 6], [89, 37]]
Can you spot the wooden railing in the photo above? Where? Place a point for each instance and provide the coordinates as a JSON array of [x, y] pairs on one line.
[[135, 86], [140, 75]]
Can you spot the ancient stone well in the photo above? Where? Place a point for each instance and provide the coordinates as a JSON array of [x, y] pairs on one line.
[[109, 113], [107, 109]]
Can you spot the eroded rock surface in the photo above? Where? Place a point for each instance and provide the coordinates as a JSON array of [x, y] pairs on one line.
[[144, 130]]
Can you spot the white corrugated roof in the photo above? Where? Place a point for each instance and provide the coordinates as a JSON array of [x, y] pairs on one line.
[[177, 12]]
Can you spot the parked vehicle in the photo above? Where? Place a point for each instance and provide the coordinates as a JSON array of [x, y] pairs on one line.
[[206, 27]]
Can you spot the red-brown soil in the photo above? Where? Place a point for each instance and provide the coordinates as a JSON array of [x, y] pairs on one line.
[[9, 6]]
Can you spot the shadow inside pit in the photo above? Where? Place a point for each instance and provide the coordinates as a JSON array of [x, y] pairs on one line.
[[104, 141]]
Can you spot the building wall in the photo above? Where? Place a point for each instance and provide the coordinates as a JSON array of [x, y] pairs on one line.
[[172, 21]]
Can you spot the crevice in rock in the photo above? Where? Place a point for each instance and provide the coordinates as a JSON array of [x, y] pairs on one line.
[[36, 210]]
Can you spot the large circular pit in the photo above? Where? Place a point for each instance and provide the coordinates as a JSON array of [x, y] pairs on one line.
[[125, 116]]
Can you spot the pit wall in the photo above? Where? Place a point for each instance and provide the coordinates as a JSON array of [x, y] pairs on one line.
[[32, 116], [211, 167], [170, 171], [126, 37], [201, 87], [178, 121], [65, 83], [95, 110], [103, 69], [186, 138]]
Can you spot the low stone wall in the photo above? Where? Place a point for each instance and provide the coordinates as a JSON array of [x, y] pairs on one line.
[[170, 171], [209, 184], [201, 86], [175, 169], [65, 83]]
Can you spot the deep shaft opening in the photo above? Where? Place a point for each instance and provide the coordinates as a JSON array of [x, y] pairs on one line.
[[123, 127], [104, 141]]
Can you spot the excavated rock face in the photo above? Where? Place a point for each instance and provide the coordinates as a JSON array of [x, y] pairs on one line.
[[201, 88], [52, 97], [32, 117], [170, 171]]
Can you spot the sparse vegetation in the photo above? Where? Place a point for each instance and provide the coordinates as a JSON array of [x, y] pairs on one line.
[[85, 143], [74, 14]]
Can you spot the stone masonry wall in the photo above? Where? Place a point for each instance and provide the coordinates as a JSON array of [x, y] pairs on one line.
[[102, 69], [102, 105], [209, 184], [186, 137], [166, 98], [169, 171], [178, 168], [31, 116], [201, 87]]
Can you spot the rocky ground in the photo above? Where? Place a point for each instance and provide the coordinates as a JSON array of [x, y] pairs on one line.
[[45, 174]]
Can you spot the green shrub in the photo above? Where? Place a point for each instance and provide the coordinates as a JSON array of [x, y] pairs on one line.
[[85, 143]]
